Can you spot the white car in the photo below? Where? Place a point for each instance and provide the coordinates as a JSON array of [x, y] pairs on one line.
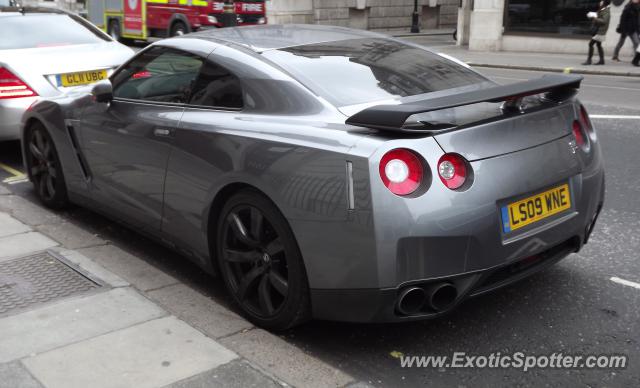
[[45, 52]]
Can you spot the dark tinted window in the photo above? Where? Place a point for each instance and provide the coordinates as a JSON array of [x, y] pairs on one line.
[[159, 74], [365, 70], [46, 30], [567, 17], [216, 87]]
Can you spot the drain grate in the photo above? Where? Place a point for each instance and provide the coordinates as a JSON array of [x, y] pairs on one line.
[[37, 279]]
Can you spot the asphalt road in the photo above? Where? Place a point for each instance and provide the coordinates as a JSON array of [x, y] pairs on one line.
[[573, 308]]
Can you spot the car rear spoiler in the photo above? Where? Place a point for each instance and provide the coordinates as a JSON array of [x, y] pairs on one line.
[[558, 87]]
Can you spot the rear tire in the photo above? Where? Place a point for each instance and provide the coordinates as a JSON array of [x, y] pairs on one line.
[[261, 263], [45, 168], [178, 29]]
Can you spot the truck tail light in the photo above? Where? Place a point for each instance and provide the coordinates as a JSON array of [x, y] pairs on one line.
[[11, 86], [453, 171], [401, 171]]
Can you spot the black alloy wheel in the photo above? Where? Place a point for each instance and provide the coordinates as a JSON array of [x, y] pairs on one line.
[[261, 263], [44, 167]]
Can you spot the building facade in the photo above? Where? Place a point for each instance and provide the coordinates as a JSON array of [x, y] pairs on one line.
[[365, 14], [531, 25]]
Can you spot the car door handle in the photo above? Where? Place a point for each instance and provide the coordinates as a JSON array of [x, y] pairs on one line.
[[163, 132]]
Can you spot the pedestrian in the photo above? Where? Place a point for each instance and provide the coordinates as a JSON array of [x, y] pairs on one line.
[[636, 59], [599, 27], [628, 27]]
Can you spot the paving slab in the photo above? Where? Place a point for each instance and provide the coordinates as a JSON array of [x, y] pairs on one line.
[[133, 269], [14, 375], [285, 361], [26, 211], [236, 374], [9, 225], [151, 354], [21, 244], [89, 266], [199, 311], [72, 320], [71, 236]]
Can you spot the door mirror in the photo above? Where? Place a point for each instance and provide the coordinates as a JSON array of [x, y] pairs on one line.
[[102, 92]]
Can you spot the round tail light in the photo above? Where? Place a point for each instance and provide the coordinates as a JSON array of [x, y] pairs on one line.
[[586, 122], [401, 171], [452, 169], [581, 138]]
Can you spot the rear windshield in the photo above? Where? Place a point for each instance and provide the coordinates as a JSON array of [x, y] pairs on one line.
[[358, 71], [45, 30]]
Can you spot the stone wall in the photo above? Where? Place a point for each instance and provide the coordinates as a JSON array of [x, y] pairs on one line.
[[69, 5], [367, 14]]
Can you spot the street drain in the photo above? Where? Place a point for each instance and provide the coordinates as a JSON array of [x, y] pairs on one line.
[[37, 279]]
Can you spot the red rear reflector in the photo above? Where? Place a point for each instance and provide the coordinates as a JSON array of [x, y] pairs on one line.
[[401, 171], [452, 169], [13, 87], [581, 138]]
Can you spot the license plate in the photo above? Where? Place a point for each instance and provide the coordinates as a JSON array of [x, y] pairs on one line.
[[535, 208], [81, 78]]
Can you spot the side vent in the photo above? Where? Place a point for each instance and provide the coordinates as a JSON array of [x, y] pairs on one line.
[[76, 147], [351, 202]]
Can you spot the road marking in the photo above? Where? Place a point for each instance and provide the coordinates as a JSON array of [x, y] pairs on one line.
[[616, 117], [584, 84], [16, 181], [625, 282], [15, 174]]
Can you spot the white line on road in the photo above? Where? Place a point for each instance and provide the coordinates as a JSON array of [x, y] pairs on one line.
[[616, 117], [584, 84], [15, 182], [625, 282]]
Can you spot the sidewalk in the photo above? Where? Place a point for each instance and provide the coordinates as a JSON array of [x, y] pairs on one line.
[[441, 41], [541, 61], [77, 311]]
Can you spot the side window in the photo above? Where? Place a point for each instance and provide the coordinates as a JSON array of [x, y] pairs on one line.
[[160, 74], [216, 87]]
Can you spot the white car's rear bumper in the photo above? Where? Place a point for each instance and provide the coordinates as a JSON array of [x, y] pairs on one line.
[[11, 111]]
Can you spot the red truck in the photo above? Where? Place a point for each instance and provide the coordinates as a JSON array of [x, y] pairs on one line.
[[142, 19]]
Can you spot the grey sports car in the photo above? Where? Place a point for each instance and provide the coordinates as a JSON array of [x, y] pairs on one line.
[[325, 172]]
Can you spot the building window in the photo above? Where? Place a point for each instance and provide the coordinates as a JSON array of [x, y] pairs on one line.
[[562, 17]]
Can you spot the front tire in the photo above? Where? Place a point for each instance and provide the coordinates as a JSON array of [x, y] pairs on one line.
[[114, 30], [261, 263], [45, 169]]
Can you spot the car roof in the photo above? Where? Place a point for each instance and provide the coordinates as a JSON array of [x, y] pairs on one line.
[[277, 36]]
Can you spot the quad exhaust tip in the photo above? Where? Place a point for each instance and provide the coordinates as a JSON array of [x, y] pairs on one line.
[[438, 297], [441, 296]]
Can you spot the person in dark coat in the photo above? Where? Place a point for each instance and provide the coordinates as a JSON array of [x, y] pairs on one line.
[[628, 27], [600, 25]]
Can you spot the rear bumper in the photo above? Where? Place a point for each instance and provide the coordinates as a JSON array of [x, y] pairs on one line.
[[11, 111], [381, 305]]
